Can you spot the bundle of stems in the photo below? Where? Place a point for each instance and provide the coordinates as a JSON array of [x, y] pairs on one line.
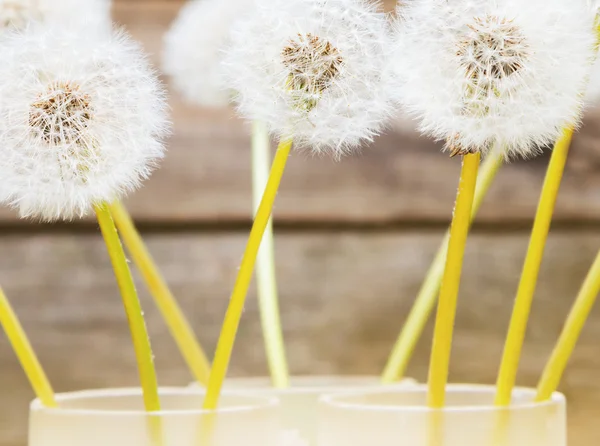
[[319, 80], [133, 309], [179, 326], [244, 276], [29, 361], [571, 331], [266, 281], [424, 304], [533, 259], [34, 371], [27, 356], [25, 353], [447, 303], [518, 324]]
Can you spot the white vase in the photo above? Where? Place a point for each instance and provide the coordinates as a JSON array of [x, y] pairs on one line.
[[395, 417], [115, 417], [299, 402]]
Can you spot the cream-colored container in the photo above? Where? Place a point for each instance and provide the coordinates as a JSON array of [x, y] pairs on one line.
[[395, 417], [115, 417], [299, 402]]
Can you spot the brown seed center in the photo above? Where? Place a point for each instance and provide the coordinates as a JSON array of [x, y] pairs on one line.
[[493, 49], [61, 114], [314, 63]]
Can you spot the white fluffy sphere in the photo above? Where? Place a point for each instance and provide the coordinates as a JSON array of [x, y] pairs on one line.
[[193, 49], [482, 72], [18, 14], [82, 118], [312, 69]]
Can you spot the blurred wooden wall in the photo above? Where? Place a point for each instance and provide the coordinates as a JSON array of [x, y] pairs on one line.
[[354, 239]]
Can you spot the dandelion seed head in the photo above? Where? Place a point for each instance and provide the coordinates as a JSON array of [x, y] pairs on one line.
[[82, 120], [480, 73], [193, 49], [312, 69]]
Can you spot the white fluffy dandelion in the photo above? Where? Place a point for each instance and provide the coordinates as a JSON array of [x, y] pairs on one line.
[[193, 49], [486, 72], [312, 69], [18, 14], [82, 117]]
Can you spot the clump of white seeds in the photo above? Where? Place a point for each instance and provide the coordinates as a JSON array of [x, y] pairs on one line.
[[481, 73], [312, 69]]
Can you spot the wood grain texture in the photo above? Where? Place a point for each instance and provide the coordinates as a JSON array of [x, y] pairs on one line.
[[400, 178], [344, 296]]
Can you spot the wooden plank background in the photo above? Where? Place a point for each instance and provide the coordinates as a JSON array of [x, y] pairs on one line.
[[354, 239]]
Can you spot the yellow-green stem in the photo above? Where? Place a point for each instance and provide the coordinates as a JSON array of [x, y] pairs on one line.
[[427, 297], [565, 346], [240, 290], [266, 280], [178, 325], [535, 252], [24, 351], [447, 303], [133, 309]]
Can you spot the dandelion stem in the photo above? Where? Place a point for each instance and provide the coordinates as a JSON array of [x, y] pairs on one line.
[[133, 309], [27, 357], [238, 296], [535, 252], [446, 311], [265, 267], [427, 297], [570, 334], [178, 325]]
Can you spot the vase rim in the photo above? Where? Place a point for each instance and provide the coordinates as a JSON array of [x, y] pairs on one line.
[[336, 400], [312, 384], [255, 402]]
